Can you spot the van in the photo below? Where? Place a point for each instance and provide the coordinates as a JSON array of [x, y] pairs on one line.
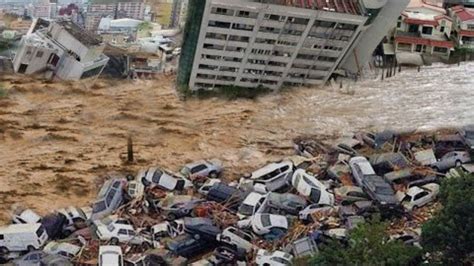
[[22, 237]]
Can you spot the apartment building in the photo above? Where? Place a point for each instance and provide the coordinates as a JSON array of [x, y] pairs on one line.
[[463, 26], [424, 29], [45, 9], [178, 14], [115, 9], [62, 48], [281, 43]]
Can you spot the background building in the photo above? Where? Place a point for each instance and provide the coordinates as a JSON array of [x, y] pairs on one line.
[[274, 44], [98, 9]]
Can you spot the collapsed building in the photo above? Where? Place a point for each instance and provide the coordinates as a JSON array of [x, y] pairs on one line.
[[61, 48], [250, 43]]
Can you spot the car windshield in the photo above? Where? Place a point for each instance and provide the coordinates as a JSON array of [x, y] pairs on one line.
[[383, 190], [315, 195], [246, 209], [470, 134], [309, 182], [99, 206], [40, 231], [266, 220], [111, 227], [156, 176]]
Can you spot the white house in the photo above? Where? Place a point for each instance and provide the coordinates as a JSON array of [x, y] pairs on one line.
[[62, 47], [463, 26]]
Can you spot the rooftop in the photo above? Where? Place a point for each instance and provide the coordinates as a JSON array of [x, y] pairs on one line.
[[464, 13], [341, 6], [85, 37]]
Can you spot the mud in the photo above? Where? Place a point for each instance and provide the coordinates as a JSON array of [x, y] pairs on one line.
[[59, 140]]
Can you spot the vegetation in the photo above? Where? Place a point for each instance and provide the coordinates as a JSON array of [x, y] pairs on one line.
[[449, 236], [368, 245], [144, 26]]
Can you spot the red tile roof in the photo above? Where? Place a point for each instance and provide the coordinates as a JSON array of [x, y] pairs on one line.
[[463, 13]]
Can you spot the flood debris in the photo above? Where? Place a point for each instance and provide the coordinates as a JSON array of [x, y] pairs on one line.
[[281, 211]]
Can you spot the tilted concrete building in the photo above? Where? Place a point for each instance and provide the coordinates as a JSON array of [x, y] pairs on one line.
[[281, 43], [61, 47]]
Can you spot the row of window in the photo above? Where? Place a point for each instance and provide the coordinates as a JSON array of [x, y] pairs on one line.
[[256, 72]]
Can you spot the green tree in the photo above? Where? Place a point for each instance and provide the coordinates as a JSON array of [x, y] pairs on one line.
[[449, 236], [368, 245]]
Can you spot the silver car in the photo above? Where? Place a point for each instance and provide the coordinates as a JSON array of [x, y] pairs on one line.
[[109, 199], [206, 168], [451, 160]]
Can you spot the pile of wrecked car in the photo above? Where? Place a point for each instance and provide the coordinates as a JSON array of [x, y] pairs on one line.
[[284, 210]]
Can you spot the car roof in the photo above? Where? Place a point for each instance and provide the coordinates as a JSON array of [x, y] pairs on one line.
[[269, 168], [196, 163], [19, 228], [110, 248], [414, 191], [252, 198]]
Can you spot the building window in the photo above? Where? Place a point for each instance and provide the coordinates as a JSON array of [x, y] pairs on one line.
[[441, 29], [470, 26], [440, 50], [399, 24], [39, 54], [427, 30], [413, 28], [238, 26]]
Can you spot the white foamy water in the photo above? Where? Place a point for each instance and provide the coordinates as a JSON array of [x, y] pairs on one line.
[[438, 96]]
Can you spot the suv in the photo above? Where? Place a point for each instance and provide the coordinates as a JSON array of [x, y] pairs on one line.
[[286, 203], [188, 247], [380, 191], [273, 176], [109, 199]]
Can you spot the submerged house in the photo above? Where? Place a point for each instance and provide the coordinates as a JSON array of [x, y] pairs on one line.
[[61, 47]]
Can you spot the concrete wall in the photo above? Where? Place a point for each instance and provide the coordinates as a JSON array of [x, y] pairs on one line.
[[373, 35]]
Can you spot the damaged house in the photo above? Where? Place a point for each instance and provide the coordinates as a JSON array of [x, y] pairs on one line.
[[62, 49]]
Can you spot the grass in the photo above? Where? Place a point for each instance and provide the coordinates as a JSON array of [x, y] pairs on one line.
[[226, 92]]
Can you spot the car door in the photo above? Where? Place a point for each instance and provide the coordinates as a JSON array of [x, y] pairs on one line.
[[123, 235]]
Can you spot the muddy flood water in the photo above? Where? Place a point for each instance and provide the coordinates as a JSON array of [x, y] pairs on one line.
[[58, 140]]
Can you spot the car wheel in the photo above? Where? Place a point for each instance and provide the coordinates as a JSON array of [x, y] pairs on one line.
[[458, 163], [4, 250], [114, 241], [31, 248], [213, 174]]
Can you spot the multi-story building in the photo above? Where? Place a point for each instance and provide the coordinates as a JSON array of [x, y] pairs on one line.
[[463, 26], [98, 9], [45, 9], [61, 47], [278, 43], [178, 15], [424, 29]]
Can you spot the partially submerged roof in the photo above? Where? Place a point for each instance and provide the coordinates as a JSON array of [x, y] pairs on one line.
[[85, 37]]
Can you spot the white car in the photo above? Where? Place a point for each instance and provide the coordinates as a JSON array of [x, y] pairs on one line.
[[204, 189], [237, 237], [451, 160], [264, 223], [360, 167], [110, 256], [76, 219], [250, 205], [418, 196], [64, 249], [273, 176], [24, 216], [119, 231], [163, 179], [277, 258], [307, 185], [135, 189]]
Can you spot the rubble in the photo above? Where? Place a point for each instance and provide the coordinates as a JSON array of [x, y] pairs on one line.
[[197, 215]]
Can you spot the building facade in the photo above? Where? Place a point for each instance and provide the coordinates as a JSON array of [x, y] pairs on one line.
[[270, 44], [424, 29], [98, 9], [61, 47], [178, 15], [463, 26]]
